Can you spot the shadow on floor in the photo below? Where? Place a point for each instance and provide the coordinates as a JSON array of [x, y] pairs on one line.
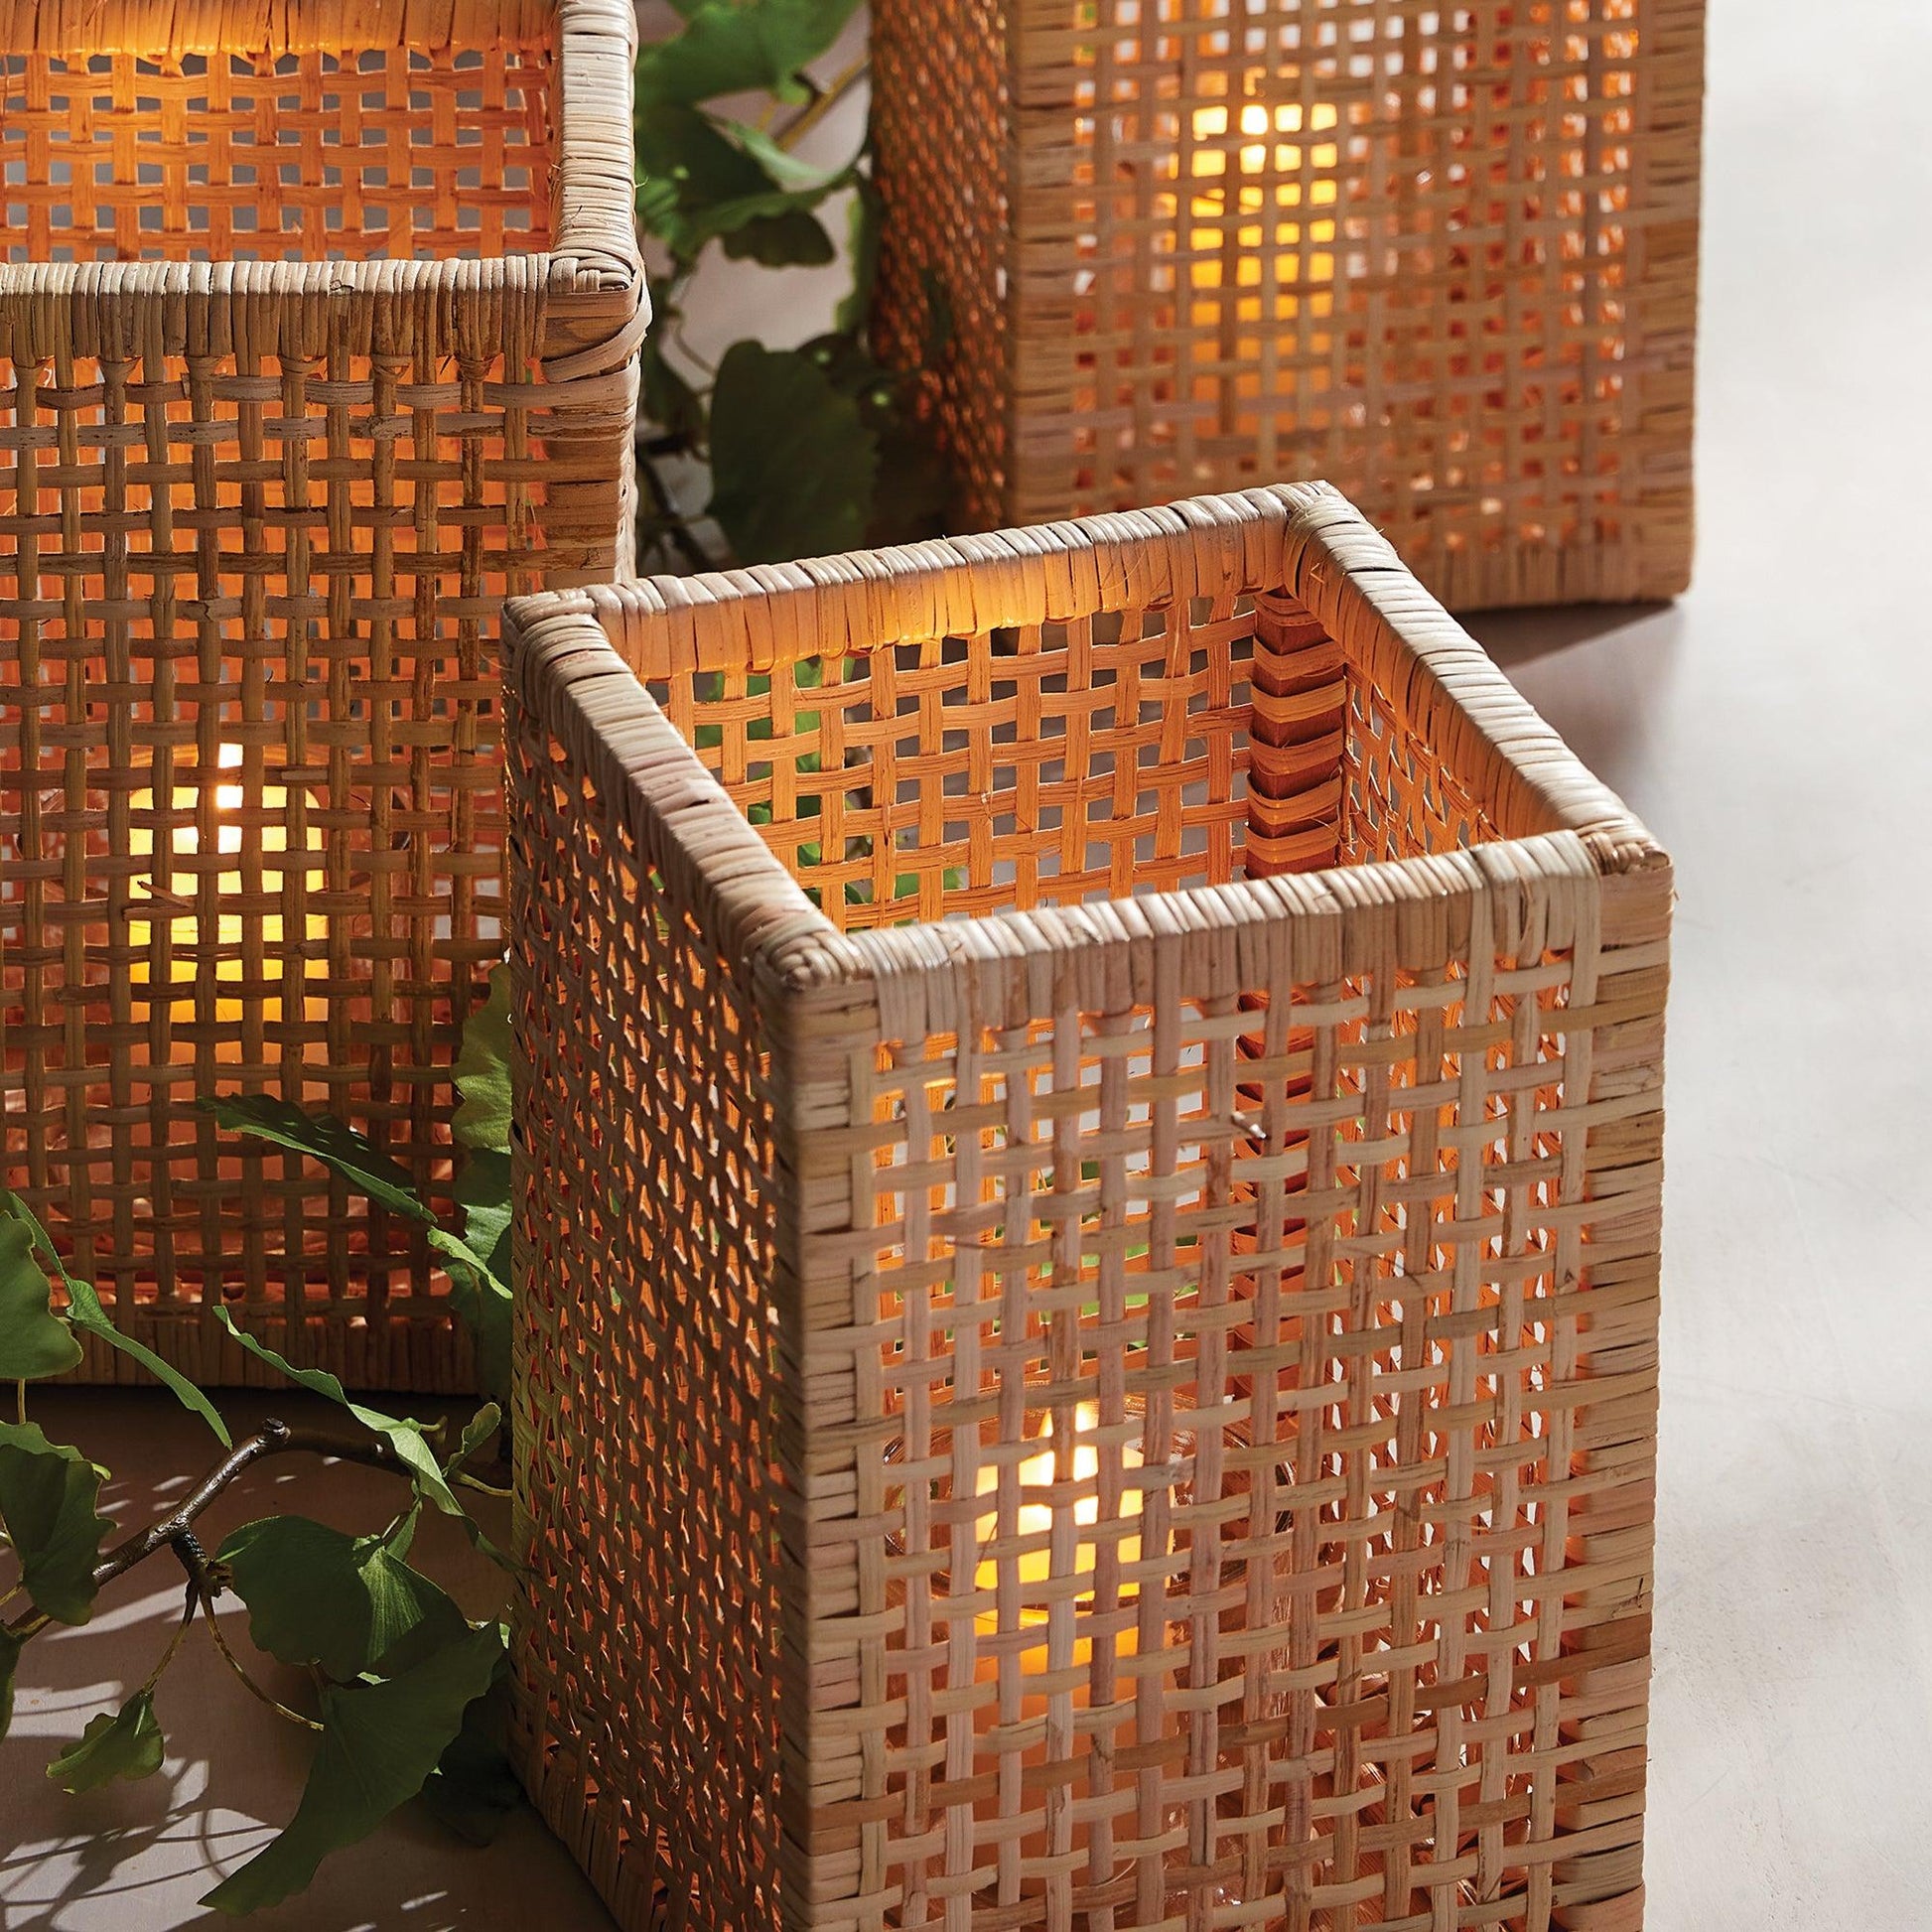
[[1602, 675], [137, 1858]]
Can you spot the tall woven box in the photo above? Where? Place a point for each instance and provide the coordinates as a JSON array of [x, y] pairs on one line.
[[1088, 1226], [318, 332], [1444, 256]]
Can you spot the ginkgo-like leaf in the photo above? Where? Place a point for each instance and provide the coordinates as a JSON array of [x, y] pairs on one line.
[[10, 1649], [86, 1311], [379, 1743], [34, 1341], [339, 1147], [793, 465], [125, 1744], [483, 1072], [401, 1433], [48, 1494], [316, 1595]]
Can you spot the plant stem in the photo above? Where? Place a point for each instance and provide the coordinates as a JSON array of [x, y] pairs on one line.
[[234, 1663], [175, 1532], [822, 103], [481, 1487], [669, 523], [181, 1630], [20, 1402]]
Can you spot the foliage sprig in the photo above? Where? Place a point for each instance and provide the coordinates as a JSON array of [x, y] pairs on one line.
[[811, 450], [407, 1692]]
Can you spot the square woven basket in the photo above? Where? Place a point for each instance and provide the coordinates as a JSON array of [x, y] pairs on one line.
[[1444, 256], [318, 334], [1089, 1198]]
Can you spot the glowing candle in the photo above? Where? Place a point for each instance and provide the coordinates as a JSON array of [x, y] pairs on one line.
[[216, 954], [1035, 1521], [1280, 169]]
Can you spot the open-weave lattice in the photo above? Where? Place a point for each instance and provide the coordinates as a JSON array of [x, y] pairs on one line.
[[1442, 256], [317, 337], [1133, 1406]]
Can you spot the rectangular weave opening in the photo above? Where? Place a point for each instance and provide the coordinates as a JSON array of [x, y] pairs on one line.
[[352, 154], [1102, 758]]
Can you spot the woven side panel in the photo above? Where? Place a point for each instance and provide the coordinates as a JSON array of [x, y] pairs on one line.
[[1445, 258], [233, 157], [1254, 1380], [257, 518], [647, 1712], [1029, 765], [946, 238], [250, 808]]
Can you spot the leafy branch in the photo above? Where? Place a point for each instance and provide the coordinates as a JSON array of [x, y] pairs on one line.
[[408, 1692], [811, 450]]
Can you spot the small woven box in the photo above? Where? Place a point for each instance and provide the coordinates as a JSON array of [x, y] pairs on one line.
[[1088, 1216], [318, 334], [1443, 255]]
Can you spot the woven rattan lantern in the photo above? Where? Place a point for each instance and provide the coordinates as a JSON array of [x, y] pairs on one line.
[[318, 330], [1089, 1198], [1442, 256]]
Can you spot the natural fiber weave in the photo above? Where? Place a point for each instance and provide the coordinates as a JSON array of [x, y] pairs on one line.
[[1134, 1407], [1444, 256], [318, 334]]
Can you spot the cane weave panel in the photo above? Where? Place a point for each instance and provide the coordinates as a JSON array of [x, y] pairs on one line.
[[249, 793], [646, 1240], [1030, 764], [1357, 1248], [257, 519], [1442, 256], [1399, 796], [305, 157]]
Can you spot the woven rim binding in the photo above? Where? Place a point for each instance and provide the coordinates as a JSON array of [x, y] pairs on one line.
[[1307, 537], [118, 310]]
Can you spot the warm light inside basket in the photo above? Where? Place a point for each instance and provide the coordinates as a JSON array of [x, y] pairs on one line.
[[213, 946], [1034, 1564], [1260, 194], [425, 154]]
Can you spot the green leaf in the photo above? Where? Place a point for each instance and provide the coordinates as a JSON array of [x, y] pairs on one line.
[[488, 1309], [10, 1648], [126, 1745], [864, 226], [86, 1310], [483, 1191], [777, 236], [668, 402], [481, 1294], [48, 1498], [483, 1071], [728, 49], [474, 1787], [699, 185], [793, 465], [914, 485], [339, 1147], [402, 1435], [34, 1341], [381, 1741], [475, 1433], [316, 1595]]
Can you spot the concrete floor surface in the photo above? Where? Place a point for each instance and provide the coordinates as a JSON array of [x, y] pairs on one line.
[[1773, 729]]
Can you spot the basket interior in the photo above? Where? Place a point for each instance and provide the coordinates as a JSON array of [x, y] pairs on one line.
[[356, 154], [1100, 757]]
